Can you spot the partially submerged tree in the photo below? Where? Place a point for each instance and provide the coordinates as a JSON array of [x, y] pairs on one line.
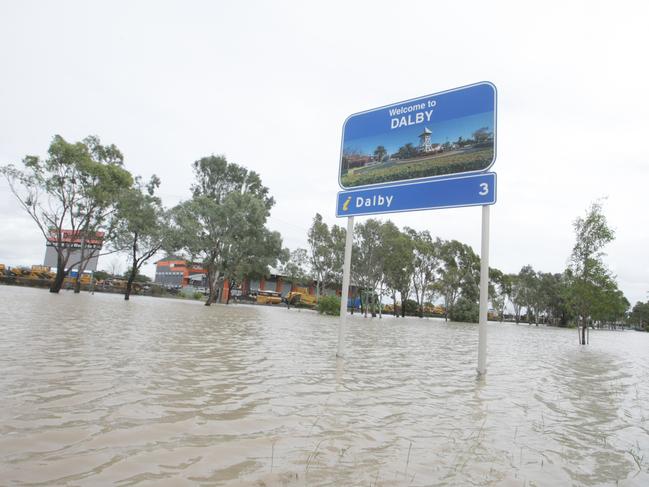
[[399, 264], [367, 265], [459, 275], [426, 265], [589, 276], [320, 251], [223, 225], [141, 227], [71, 195]]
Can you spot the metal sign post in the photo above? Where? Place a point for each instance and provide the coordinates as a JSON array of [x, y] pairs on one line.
[[344, 294], [484, 293]]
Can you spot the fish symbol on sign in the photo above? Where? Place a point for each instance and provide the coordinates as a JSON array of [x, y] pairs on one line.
[[346, 203]]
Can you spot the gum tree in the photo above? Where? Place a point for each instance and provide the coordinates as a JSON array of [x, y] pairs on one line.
[[76, 188], [141, 227], [589, 277], [320, 251], [223, 224]]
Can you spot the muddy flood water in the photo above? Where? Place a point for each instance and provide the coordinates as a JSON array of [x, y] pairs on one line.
[[98, 391]]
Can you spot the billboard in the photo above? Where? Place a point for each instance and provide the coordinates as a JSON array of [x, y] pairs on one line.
[[440, 135], [73, 241]]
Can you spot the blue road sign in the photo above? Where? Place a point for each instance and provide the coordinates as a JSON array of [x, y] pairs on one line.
[[469, 190], [440, 135]]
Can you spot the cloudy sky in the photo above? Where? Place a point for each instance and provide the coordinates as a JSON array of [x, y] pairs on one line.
[[269, 85]]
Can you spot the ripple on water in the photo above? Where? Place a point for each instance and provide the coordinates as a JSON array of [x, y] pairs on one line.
[[95, 390]]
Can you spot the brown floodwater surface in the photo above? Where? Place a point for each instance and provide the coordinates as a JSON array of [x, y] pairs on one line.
[[98, 391]]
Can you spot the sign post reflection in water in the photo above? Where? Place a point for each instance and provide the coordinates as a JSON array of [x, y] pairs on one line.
[[384, 170]]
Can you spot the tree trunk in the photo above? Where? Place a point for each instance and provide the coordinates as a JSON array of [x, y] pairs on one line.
[[231, 285], [57, 284], [77, 281], [134, 268], [129, 283], [394, 306], [212, 276]]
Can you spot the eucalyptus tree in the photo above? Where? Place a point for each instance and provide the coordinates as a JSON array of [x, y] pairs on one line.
[[367, 265], [141, 226], [399, 265], [426, 265], [552, 298], [530, 292], [612, 305], [589, 275], [640, 315], [337, 241], [499, 285], [296, 266], [320, 251], [516, 296], [223, 224], [75, 189], [459, 275]]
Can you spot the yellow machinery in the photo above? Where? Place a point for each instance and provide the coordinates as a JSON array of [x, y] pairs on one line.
[[301, 296], [85, 279], [21, 271], [269, 297], [41, 272]]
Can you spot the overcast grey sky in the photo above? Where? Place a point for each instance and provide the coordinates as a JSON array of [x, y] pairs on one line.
[[269, 84]]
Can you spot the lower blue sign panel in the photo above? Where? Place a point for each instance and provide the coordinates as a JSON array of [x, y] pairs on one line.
[[472, 190]]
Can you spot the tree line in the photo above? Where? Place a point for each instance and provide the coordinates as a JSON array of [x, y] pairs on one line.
[[83, 189], [420, 270]]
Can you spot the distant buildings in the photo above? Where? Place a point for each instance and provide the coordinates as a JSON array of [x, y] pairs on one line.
[[176, 272]]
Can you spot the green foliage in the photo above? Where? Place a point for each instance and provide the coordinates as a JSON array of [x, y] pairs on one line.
[[465, 310], [77, 187], [223, 225], [399, 266], [329, 305], [295, 268], [142, 226], [459, 274], [412, 307], [593, 292], [197, 296], [426, 266], [320, 251], [101, 275], [640, 316]]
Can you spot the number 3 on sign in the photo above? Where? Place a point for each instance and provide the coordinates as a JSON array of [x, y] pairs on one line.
[[484, 189]]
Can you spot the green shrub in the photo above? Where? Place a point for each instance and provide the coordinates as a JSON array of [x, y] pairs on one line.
[[329, 305], [198, 295], [412, 308], [465, 310]]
